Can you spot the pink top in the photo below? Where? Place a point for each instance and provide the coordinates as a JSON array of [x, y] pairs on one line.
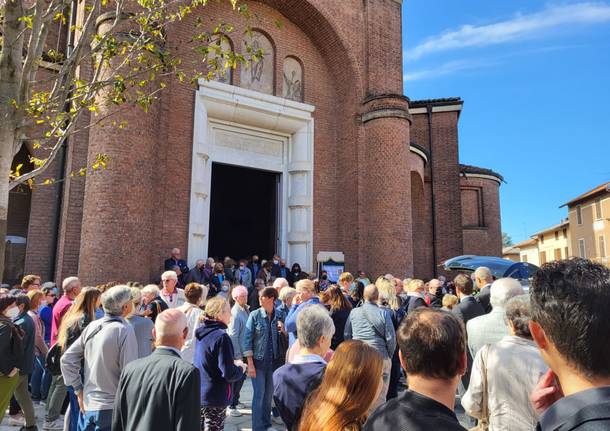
[[59, 310]]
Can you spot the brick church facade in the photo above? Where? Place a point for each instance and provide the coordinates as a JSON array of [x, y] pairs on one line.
[[353, 165]]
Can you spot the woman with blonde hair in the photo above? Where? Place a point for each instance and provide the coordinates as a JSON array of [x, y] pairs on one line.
[[80, 314], [214, 357], [415, 295], [347, 392], [449, 301]]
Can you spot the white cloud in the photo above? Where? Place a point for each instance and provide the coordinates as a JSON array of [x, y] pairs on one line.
[[518, 28], [448, 69]]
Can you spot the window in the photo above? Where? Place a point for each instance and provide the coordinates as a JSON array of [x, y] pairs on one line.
[[582, 252], [565, 232], [557, 254], [556, 235], [602, 246], [542, 239], [542, 257], [567, 253], [598, 209], [578, 214]]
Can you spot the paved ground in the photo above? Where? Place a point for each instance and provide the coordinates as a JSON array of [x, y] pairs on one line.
[[232, 424]]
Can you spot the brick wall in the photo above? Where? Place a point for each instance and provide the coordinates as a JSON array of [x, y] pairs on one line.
[[485, 239]]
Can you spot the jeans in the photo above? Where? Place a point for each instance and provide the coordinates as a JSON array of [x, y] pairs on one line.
[[36, 378], [262, 396], [55, 400], [47, 378], [95, 420], [236, 389], [74, 410]]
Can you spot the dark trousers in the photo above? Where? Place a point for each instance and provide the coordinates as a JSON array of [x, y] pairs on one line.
[[236, 389], [394, 377]]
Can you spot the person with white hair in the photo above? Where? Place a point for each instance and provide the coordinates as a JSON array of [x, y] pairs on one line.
[[306, 294], [237, 332], [153, 303], [171, 293], [103, 349], [160, 391], [483, 280], [175, 260], [293, 382], [491, 328], [142, 327]]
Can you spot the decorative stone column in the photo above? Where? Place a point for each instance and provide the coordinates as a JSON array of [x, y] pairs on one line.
[[117, 227]]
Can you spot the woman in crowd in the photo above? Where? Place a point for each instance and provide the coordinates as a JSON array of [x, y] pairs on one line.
[[286, 298], [261, 348], [347, 392], [449, 301], [214, 358], [218, 276], [153, 303], [339, 307], [296, 274], [390, 301], [82, 312], [508, 370], [196, 295], [237, 331], [265, 272], [415, 295], [141, 325], [40, 347], [253, 295], [356, 296], [11, 346]]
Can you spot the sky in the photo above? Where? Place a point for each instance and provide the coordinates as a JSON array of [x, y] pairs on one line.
[[535, 80]]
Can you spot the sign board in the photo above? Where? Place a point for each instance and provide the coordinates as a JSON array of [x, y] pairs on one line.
[[333, 262]]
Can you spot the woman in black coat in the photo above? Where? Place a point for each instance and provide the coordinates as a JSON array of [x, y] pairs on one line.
[[339, 307]]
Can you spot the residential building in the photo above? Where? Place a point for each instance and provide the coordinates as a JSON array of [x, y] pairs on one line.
[[528, 251], [589, 216], [553, 243]]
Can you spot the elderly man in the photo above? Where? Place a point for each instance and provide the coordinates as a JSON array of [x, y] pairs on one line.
[[433, 352], [293, 382], [57, 392], [160, 391], [197, 274], [306, 294], [175, 260], [153, 303], [105, 347], [491, 328], [435, 292], [483, 280], [171, 293], [373, 325]]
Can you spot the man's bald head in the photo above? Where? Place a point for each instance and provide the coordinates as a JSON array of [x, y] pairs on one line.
[[434, 285], [171, 328], [371, 293]]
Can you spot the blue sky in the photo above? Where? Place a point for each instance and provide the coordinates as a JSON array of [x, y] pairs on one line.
[[535, 79]]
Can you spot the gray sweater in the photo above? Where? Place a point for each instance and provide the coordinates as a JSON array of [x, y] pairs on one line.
[[373, 325], [105, 355]]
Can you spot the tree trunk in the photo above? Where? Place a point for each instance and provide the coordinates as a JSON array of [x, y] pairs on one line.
[[6, 158]]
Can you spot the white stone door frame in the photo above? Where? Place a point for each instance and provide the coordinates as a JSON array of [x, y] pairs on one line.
[[241, 127]]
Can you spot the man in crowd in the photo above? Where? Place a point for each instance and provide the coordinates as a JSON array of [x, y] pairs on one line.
[[254, 267], [491, 328], [435, 291], [293, 382], [468, 307], [570, 302], [175, 260], [171, 293], [105, 347], [245, 276], [483, 280], [432, 347], [373, 325], [30, 282], [57, 392], [197, 274], [160, 391]]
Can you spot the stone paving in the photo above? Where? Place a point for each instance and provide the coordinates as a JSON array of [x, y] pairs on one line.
[[242, 423]]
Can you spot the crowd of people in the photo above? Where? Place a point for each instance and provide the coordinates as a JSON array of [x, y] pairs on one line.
[[352, 355]]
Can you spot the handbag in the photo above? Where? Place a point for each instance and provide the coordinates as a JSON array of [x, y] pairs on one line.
[[483, 423]]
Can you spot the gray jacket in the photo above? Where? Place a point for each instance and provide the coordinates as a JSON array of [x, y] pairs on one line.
[[104, 355], [373, 325], [237, 329], [487, 329]]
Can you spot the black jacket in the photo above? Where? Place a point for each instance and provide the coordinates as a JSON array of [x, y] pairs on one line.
[[12, 346], [411, 303], [467, 309], [196, 275], [412, 411], [483, 298], [158, 392]]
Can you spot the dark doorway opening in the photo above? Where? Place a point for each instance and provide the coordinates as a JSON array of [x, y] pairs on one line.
[[243, 212]]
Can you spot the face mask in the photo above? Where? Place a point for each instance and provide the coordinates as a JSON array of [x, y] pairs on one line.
[[225, 288], [242, 267], [43, 303], [275, 262], [352, 287], [12, 313]]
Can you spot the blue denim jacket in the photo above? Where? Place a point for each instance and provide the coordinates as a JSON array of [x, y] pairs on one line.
[[257, 331]]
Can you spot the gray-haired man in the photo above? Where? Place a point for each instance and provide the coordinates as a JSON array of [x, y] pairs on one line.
[[106, 346]]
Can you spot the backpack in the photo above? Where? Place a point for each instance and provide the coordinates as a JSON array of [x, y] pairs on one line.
[[16, 347]]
